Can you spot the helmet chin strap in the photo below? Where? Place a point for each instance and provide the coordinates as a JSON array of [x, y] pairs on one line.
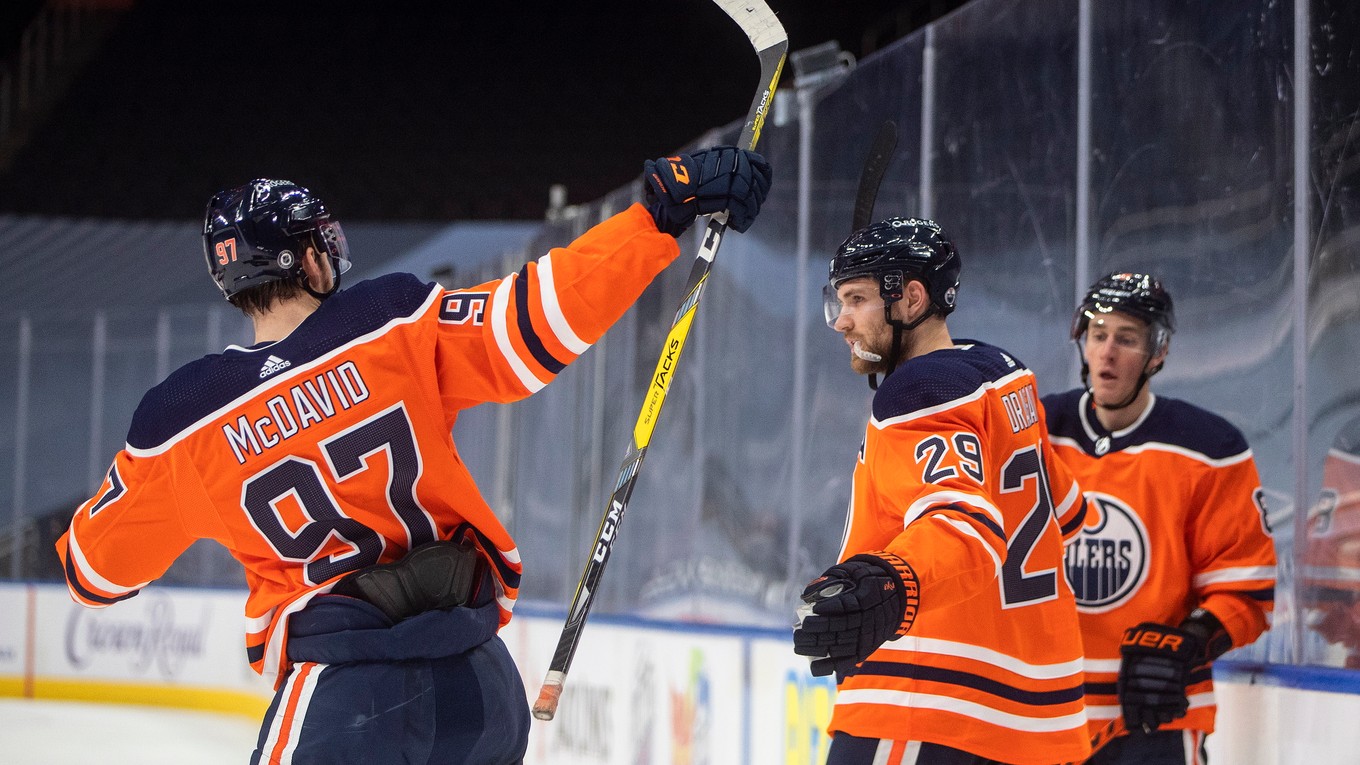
[[335, 282], [1142, 380], [1143, 377], [899, 327], [892, 355]]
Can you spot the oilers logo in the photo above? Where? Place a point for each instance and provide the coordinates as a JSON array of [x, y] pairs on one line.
[[1108, 561]]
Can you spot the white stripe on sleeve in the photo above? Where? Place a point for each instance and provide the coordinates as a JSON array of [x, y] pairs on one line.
[[499, 330], [553, 309]]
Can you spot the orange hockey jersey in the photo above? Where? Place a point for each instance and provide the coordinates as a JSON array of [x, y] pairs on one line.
[[1176, 521], [957, 477], [331, 449]]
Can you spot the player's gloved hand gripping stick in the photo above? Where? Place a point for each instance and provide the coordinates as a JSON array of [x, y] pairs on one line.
[[723, 179], [771, 43]]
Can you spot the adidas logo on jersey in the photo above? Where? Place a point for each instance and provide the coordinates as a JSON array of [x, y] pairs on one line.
[[273, 364]]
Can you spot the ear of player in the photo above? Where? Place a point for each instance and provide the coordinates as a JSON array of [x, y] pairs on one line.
[[1156, 662], [856, 606], [683, 187]]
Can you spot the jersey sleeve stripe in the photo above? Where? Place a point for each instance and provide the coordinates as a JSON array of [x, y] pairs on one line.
[[526, 326], [1073, 496], [257, 625], [511, 555], [86, 596], [971, 680], [1110, 688], [910, 643], [963, 708], [1075, 522], [1102, 665], [971, 530], [552, 309], [981, 518], [500, 331], [1103, 712], [77, 563], [1239, 574], [932, 501]]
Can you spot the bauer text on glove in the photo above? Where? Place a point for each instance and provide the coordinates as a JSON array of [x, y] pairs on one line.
[[1156, 666], [1154, 671]]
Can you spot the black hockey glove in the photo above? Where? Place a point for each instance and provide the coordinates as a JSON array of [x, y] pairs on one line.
[[685, 186], [1156, 663], [1154, 670], [856, 606]]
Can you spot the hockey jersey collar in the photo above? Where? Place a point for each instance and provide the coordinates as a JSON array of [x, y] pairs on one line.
[[1103, 441]]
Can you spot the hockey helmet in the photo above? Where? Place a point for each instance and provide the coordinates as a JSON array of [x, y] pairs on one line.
[[257, 233], [894, 251], [1138, 295]]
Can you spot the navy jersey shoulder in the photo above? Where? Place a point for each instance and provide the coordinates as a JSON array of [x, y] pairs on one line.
[[1171, 421], [942, 376], [201, 387], [1183, 424], [1063, 412]]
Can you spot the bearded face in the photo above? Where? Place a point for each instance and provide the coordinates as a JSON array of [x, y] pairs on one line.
[[856, 311]]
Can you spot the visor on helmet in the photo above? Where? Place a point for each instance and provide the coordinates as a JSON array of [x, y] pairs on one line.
[[859, 303], [332, 238]]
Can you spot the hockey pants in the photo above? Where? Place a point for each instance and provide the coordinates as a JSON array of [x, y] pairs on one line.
[[435, 689]]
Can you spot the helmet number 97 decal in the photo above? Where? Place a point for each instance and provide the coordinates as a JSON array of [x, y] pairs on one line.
[[226, 251]]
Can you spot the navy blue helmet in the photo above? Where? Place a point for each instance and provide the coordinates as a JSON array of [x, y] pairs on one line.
[[258, 233], [897, 250], [1138, 295]]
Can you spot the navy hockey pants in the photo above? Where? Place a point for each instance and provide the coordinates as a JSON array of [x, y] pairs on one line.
[[855, 750], [436, 689], [1160, 747]]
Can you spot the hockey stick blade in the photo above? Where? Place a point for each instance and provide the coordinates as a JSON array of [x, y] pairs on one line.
[[771, 43], [871, 177]]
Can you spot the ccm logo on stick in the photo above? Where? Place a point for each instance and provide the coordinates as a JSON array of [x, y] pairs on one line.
[[611, 522]]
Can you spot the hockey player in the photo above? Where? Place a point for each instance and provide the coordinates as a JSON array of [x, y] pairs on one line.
[[321, 457], [1174, 565], [947, 621]]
